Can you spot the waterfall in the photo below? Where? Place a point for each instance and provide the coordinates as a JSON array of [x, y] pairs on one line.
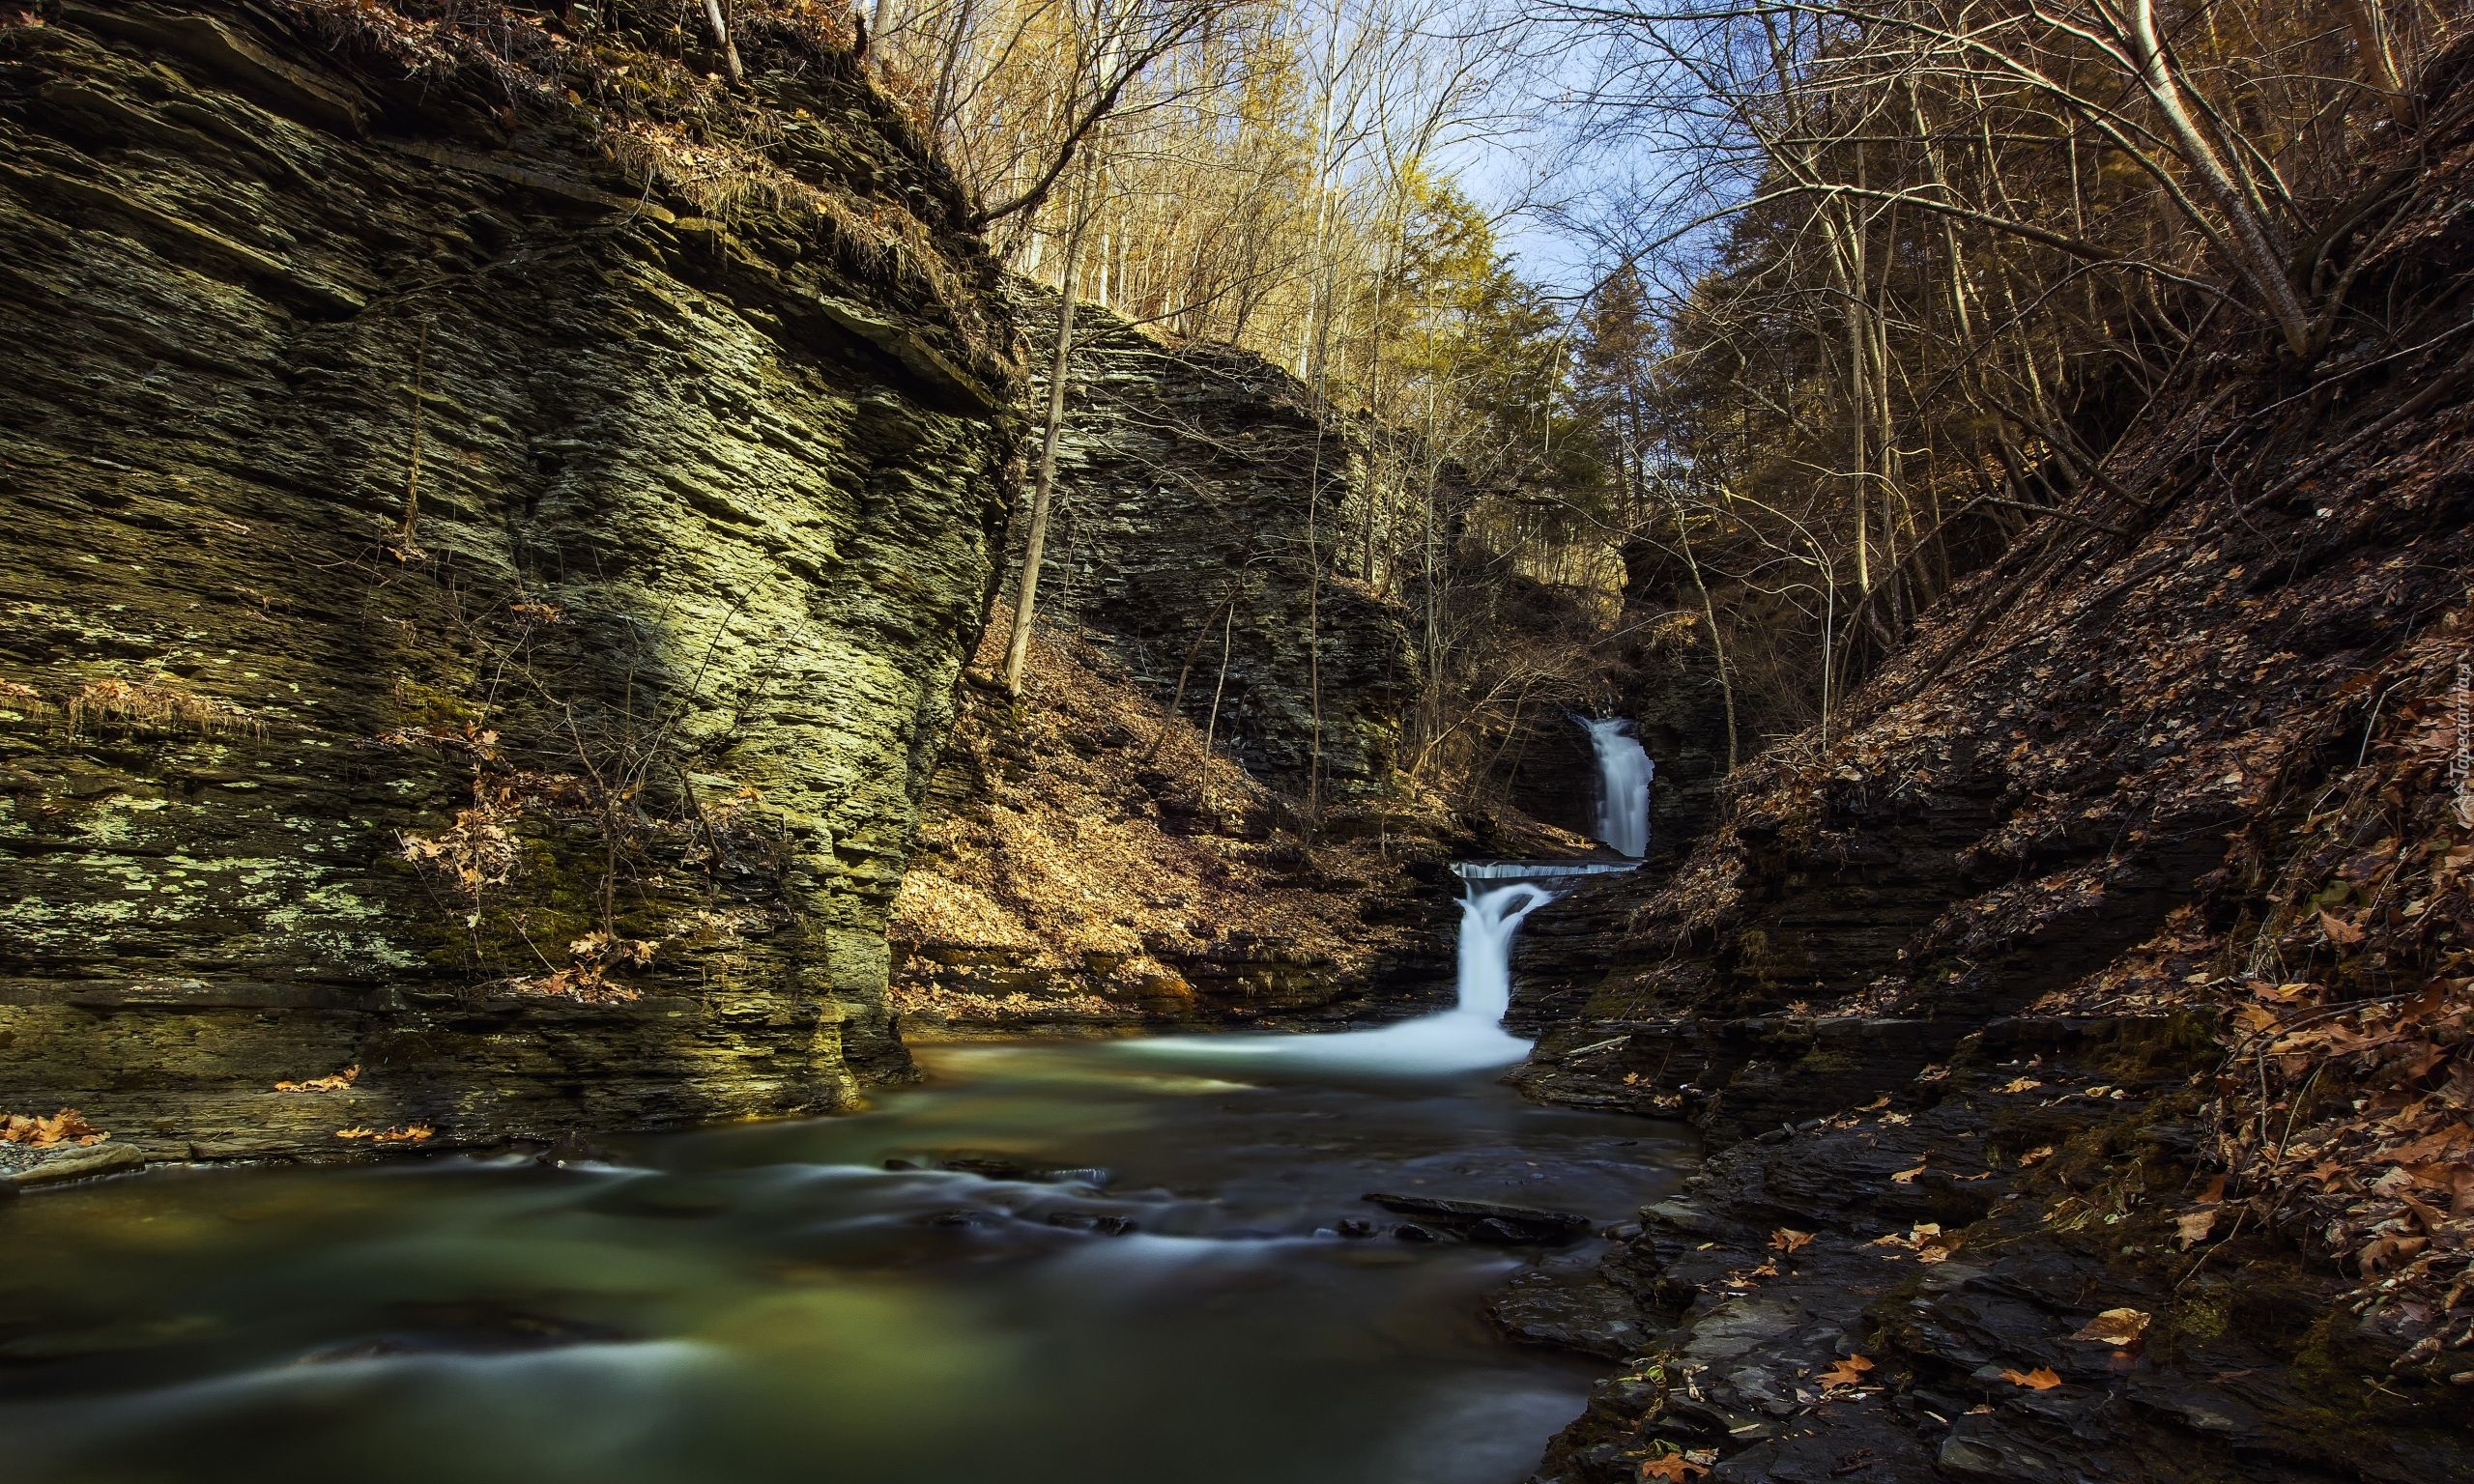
[[1624, 774], [1488, 918], [1469, 1036]]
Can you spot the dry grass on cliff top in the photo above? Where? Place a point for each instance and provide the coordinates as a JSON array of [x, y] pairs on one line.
[[663, 115], [1093, 826]]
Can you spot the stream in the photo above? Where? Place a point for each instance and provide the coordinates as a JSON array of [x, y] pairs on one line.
[[1092, 1262]]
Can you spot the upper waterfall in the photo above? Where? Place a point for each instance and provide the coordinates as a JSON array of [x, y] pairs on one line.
[[1624, 774]]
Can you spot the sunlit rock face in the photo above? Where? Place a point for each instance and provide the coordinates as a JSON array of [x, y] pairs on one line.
[[463, 616]]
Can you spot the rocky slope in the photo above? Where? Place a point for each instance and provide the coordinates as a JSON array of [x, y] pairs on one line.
[[2083, 1029], [1087, 866], [493, 529]]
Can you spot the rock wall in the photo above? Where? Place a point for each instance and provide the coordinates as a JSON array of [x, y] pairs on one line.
[[1191, 480], [1127, 843], [476, 618], [1648, 662], [1665, 677]]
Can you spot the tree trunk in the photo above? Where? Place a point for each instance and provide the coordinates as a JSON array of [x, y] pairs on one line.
[[2372, 40], [1026, 593], [722, 38]]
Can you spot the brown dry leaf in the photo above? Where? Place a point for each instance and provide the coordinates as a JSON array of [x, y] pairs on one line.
[[1674, 1466], [2036, 1157], [331, 1084], [2447, 1141], [1846, 1372], [1788, 1240], [407, 1134], [2019, 1085], [2381, 1253], [1924, 1239], [2194, 1226], [2340, 933], [67, 1125], [2042, 1379], [2114, 1327], [1907, 1177]]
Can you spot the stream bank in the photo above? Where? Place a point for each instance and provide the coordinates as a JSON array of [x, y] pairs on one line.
[[2111, 953], [1087, 866]]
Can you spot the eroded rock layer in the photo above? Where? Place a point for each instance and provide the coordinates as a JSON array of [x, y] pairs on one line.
[[478, 622]]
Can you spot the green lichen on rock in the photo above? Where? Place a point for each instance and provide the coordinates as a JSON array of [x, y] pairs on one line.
[[392, 457]]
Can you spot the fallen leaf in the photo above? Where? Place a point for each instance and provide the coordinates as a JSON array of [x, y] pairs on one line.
[[1845, 1372], [1788, 1240], [331, 1084], [67, 1125], [2193, 1226], [2340, 933], [2019, 1085], [2114, 1327], [2036, 1157], [2041, 1379], [1907, 1177], [1674, 1466], [409, 1133]]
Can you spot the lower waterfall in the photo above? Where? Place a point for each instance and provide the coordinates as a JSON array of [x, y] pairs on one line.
[[1466, 1038]]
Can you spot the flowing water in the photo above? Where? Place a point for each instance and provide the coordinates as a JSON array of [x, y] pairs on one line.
[[1469, 1036], [1624, 774], [1049, 1263]]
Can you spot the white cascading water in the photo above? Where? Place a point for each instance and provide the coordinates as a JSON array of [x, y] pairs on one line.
[[1489, 916], [1468, 1037], [1624, 774]]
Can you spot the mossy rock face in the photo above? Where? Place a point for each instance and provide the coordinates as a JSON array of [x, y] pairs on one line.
[[430, 566]]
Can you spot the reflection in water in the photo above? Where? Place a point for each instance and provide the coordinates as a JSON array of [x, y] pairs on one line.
[[773, 1301]]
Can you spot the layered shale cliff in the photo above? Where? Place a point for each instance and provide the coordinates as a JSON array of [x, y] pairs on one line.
[[2084, 1026], [491, 536], [1202, 499]]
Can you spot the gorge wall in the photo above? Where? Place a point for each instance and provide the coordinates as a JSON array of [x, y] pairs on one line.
[[2083, 1030], [1653, 665], [1199, 491], [486, 566]]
